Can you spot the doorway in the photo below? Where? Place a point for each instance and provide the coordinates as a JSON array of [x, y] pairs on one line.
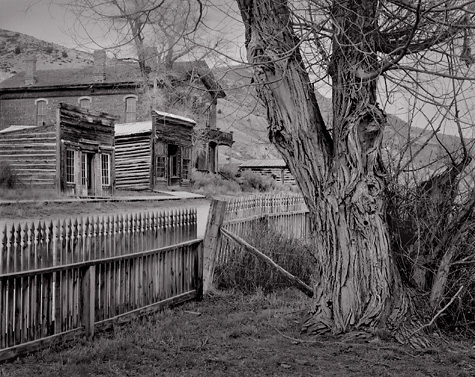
[[87, 174], [173, 164]]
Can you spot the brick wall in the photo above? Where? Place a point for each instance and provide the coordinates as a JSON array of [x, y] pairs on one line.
[[21, 109]]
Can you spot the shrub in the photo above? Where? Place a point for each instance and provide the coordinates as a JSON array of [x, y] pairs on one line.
[[254, 181], [49, 49], [8, 177], [229, 172], [213, 184], [17, 50], [64, 54], [244, 272]]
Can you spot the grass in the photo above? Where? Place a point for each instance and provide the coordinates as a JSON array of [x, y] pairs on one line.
[[248, 274], [232, 334]]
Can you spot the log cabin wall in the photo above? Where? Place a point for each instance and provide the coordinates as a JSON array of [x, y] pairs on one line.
[[31, 153], [85, 151], [133, 161]]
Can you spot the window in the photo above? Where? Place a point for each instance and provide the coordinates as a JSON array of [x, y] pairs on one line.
[[160, 160], [186, 162], [130, 109], [85, 102], [41, 112], [106, 170], [84, 169], [69, 166], [160, 167]]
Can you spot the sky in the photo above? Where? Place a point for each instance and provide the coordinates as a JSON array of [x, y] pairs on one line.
[[37, 18]]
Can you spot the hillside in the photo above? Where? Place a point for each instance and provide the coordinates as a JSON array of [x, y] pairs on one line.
[[239, 112], [15, 47]]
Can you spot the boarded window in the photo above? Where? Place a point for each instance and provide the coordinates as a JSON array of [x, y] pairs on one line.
[[69, 166], [106, 170], [85, 103], [41, 112], [130, 109], [186, 162]]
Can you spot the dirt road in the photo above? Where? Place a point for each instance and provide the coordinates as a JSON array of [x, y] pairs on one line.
[[26, 212]]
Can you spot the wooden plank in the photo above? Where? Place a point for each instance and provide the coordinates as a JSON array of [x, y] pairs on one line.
[[87, 300], [211, 240]]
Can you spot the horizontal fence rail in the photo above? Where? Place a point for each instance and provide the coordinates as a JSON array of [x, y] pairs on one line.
[[63, 277]]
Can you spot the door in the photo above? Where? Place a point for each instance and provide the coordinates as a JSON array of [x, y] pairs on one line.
[[174, 172], [87, 174], [160, 178]]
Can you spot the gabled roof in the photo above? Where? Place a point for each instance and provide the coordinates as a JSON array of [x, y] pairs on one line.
[[271, 163], [115, 74]]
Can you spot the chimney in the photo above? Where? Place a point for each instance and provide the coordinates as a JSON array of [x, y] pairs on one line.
[[100, 58], [151, 58], [30, 70]]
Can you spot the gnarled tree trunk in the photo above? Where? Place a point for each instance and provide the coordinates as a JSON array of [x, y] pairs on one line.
[[340, 174]]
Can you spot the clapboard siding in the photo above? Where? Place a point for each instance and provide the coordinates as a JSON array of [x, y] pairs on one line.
[[31, 156], [132, 162], [276, 173]]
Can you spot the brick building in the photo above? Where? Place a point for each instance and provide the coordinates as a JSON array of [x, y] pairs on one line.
[[31, 98]]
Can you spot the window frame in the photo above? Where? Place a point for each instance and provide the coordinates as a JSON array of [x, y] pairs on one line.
[[41, 118], [69, 166], [105, 178], [85, 98], [130, 116]]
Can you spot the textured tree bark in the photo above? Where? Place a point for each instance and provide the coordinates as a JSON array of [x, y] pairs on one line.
[[341, 177]]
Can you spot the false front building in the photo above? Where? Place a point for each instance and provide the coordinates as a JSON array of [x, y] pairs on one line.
[[75, 156], [154, 154]]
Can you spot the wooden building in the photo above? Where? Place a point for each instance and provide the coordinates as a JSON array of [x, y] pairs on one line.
[[119, 88], [155, 154], [74, 156], [275, 168]]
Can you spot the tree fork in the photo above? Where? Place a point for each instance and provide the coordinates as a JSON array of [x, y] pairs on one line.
[[341, 178]]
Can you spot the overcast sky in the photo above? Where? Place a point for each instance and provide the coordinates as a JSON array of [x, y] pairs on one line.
[[37, 18]]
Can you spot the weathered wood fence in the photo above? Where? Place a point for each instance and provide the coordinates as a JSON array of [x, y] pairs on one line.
[[66, 277], [286, 214]]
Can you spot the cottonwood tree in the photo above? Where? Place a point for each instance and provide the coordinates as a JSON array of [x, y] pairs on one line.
[[339, 166]]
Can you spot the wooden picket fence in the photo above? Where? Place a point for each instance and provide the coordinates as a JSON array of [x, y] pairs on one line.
[[286, 214], [66, 277], [237, 217]]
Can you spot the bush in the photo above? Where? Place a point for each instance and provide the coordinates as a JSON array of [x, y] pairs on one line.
[[8, 177], [17, 50], [213, 184], [244, 272], [254, 181], [49, 49], [229, 172]]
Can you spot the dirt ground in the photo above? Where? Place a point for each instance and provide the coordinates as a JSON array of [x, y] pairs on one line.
[[228, 334]]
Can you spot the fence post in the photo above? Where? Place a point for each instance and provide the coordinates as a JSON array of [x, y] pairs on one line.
[[211, 240], [87, 299]]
